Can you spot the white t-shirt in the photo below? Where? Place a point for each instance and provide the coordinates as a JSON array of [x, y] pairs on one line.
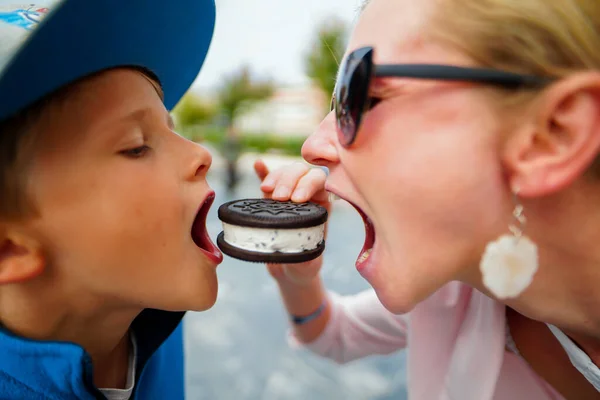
[[125, 394]]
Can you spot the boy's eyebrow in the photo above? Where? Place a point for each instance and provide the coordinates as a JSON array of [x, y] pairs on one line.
[[138, 115], [161, 94], [142, 114]]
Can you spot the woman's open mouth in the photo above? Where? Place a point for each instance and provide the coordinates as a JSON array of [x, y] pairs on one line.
[[363, 257], [200, 233], [364, 254]]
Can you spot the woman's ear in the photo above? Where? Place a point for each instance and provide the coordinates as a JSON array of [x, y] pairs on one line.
[[559, 140], [21, 257]]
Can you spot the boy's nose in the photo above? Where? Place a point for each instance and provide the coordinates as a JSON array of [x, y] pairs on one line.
[[201, 161]]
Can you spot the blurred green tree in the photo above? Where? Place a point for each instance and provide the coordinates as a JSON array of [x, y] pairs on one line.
[[197, 118], [241, 90], [325, 54], [191, 110]]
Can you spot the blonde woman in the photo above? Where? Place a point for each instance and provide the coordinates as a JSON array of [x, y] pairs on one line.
[[466, 133]]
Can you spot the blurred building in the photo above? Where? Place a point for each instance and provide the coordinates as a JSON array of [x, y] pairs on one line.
[[291, 111]]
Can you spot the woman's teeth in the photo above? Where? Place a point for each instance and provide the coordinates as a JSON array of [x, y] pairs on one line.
[[363, 257], [333, 197]]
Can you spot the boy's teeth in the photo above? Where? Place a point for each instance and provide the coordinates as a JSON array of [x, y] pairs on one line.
[[333, 197], [363, 257]]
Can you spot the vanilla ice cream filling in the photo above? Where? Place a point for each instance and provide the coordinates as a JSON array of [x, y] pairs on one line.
[[268, 240]]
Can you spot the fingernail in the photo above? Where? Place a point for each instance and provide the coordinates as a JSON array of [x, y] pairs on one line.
[[281, 192], [268, 182], [299, 195]]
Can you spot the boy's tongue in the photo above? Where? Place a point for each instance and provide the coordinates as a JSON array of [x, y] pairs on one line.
[[200, 233]]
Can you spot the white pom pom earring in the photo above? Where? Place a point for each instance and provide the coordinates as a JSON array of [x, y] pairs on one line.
[[509, 263]]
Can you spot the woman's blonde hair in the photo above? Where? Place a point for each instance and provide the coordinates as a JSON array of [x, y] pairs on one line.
[[541, 37], [552, 38]]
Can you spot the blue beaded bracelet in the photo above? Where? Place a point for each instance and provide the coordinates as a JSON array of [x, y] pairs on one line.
[[297, 320]]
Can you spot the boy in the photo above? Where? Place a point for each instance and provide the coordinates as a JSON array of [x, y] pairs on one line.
[[103, 206]]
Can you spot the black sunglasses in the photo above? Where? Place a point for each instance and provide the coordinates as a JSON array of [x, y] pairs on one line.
[[351, 94]]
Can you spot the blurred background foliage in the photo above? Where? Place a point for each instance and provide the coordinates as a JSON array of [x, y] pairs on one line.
[[213, 119]]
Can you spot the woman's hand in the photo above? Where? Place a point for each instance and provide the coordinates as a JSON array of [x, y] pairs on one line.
[[300, 183]]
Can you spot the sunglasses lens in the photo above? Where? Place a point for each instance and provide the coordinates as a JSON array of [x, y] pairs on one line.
[[351, 95]]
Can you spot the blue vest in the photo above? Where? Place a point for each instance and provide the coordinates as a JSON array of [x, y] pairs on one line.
[[35, 370]]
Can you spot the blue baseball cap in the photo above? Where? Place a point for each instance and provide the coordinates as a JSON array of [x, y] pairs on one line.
[[43, 48]]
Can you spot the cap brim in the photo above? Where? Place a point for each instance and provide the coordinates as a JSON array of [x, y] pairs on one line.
[[79, 38]]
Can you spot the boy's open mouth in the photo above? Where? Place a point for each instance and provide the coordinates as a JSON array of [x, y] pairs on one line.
[[200, 233]]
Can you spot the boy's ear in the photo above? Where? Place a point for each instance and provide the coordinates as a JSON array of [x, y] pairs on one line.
[[560, 141], [21, 257]]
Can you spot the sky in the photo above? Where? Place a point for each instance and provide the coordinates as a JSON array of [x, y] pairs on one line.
[[270, 36]]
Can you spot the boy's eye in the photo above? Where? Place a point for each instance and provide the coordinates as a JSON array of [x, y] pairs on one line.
[[136, 152]]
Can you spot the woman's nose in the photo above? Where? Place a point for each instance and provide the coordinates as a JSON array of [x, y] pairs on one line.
[[320, 147]]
